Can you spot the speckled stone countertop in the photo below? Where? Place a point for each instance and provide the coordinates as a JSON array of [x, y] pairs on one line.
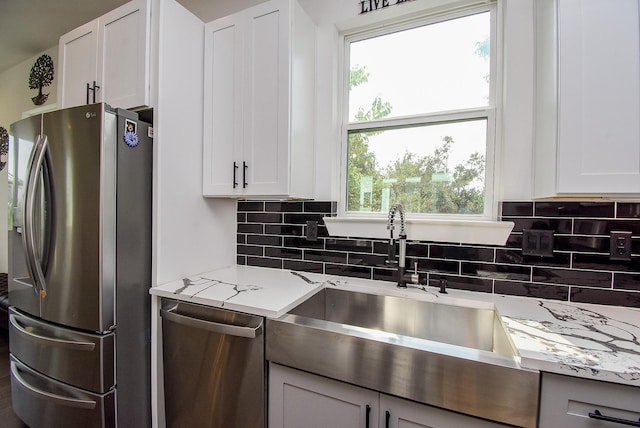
[[588, 341]]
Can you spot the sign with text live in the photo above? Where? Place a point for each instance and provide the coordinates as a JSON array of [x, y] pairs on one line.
[[371, 5]]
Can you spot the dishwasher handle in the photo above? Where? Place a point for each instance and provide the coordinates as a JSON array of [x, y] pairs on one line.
[[250, 331]]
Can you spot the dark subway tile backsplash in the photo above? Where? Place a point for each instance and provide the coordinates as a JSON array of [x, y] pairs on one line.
[[532, 289], [574, 209], [517, 209], [273, 234]]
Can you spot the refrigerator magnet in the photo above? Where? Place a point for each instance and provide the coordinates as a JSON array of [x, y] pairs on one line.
[[130, 134]]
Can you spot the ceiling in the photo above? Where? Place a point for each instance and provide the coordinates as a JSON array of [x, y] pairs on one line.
[[29, 27]]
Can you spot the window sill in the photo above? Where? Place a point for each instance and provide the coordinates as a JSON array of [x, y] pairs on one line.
[[458, 231]]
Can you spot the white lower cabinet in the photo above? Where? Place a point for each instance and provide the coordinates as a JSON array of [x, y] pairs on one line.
[[571, 402], [299, 399]]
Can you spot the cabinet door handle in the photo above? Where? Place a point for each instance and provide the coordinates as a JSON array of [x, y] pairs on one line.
[[235, 168], [367, 415], [92, 89], [244, 174], [387, 419], [597, 415]]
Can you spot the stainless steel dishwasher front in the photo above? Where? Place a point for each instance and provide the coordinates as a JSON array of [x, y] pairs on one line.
[[214, 367]]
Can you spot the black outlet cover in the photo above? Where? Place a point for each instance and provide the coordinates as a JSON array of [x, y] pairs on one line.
[[537, 242]]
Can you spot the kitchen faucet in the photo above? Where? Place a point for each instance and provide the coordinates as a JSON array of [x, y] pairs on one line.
[[402, 243], [403, 277]]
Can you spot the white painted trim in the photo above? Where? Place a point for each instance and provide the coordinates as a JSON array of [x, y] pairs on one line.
[[435, 230]]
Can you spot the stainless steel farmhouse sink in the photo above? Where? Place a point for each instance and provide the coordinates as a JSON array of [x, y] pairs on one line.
[[455, 357]]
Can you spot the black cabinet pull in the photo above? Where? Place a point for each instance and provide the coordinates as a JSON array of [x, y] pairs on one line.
[[367, 416], [387, 418], [92, 89], [235, 168], [244, 174], [597, 415]]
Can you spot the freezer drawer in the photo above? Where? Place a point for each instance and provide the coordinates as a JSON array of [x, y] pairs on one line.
[[214, 367], [80, 359], [43, 402]]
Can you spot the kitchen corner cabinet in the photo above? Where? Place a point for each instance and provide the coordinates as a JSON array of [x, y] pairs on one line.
[[107, 59], [300, 399], [259, 103], [588, 103], [572, 402]]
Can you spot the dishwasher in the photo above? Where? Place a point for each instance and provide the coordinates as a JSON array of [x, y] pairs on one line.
[[214, 367]]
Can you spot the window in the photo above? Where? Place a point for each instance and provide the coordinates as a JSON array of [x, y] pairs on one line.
[[421, 117]]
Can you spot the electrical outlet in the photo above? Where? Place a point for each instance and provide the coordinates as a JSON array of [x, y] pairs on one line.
[[537, 242], [312, 230], [620, 246]]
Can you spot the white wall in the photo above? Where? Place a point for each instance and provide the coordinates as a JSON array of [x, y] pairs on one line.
[[192, 234], [15, 99]]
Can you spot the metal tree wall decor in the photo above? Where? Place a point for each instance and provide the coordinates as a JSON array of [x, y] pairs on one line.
[[41, 75], [4, 147]]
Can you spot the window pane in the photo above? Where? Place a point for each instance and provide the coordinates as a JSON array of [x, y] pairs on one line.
[[429, 169], [436, 67]]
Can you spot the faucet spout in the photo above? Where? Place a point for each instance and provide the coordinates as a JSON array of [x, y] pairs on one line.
[[402, 242]]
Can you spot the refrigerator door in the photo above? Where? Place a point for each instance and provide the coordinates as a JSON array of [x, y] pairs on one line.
[[84, 360], [80, 262], [43, 402], [62, 179], [23, 137]]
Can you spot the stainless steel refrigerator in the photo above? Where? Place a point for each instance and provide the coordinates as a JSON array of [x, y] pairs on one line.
[[80, 184]]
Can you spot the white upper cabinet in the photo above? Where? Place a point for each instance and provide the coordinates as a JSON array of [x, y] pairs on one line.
[[77, 64], [107, 59], [259, 103], [588, 98]]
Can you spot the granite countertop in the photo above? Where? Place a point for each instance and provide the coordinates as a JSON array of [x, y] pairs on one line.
[[258, 291], [582, 340]]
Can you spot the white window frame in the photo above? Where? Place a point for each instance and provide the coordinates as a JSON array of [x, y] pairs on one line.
[[490, 112]]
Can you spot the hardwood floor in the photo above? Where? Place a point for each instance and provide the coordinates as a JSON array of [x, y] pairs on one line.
[[7, 418]]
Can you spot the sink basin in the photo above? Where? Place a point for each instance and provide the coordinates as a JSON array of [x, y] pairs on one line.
[[475, 328], [455, 357]]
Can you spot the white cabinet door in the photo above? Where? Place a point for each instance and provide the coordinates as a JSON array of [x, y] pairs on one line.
[[266, 140], [77, 64], [249, 103], [599, 97], [398, 413], [298, 399], [222, 150], [568, 402], [107, 59], [124, 55]]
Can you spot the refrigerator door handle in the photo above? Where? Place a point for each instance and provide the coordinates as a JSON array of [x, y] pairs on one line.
[[68, 344], [36, 161], [250, 332], [58, 399]]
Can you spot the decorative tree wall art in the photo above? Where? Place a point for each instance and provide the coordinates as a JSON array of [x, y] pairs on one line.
[[41, 75], [4, 147]]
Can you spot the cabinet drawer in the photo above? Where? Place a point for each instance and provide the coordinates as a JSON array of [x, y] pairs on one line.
[[567, 402]]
